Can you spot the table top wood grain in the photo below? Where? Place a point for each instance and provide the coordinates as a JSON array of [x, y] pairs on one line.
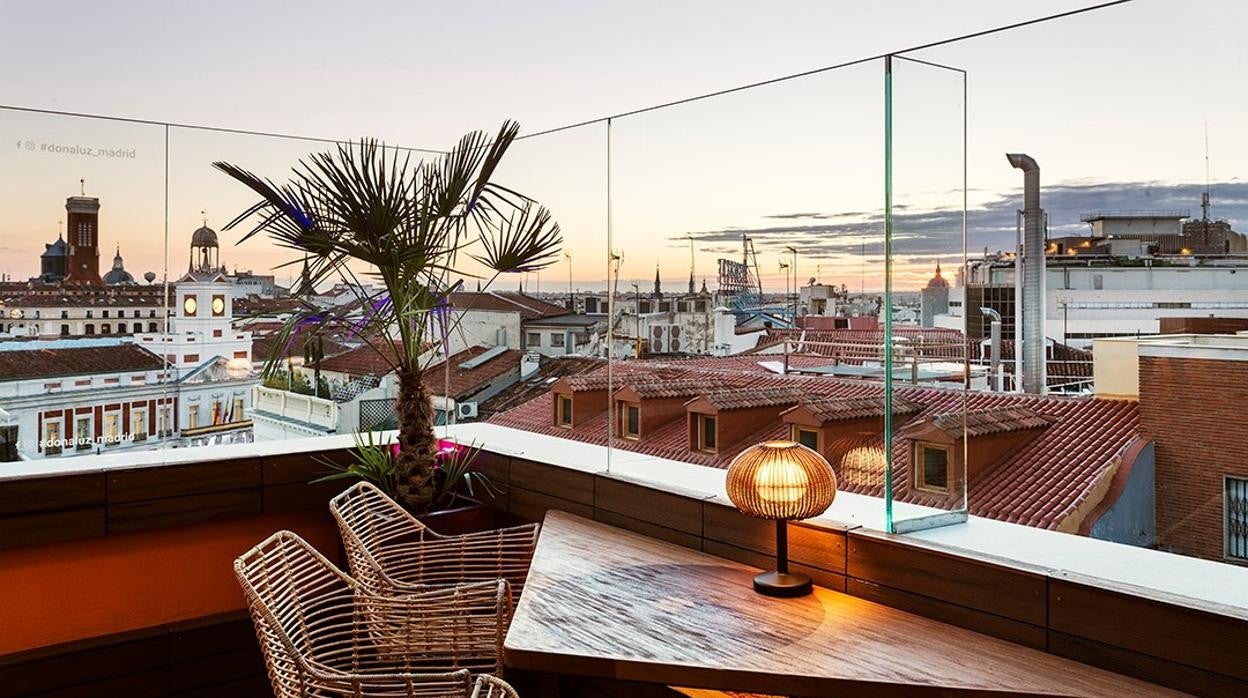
[[609, 603]]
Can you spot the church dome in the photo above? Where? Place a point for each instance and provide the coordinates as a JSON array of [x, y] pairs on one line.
[[118, 275], [937, 281], [56, 249], [204, 237]]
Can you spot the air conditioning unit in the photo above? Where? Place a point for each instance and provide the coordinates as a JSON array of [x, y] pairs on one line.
[[466, 410], [665, 339]]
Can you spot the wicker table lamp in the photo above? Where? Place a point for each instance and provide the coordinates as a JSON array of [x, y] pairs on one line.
[[781, 480]]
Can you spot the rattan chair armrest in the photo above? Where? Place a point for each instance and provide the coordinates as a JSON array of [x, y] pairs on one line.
[[488, 686], [387, 681], [432, 537]]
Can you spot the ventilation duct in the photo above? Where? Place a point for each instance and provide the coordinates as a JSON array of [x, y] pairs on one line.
[[1032, 319]]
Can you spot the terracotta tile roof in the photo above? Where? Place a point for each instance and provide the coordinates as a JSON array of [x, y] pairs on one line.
[[682, 388], [998, 420], [255, 305], [935, 342], [1040, 485], [549, 370], [631, 373], [364, 360], [1064, 363], [739, 399], [835, 409], [264, 341], [467, 381], [528, 307], [756, 363], [25, 364]]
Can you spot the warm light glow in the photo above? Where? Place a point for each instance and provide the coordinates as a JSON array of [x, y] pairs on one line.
[[781, 480], [1071, 251], [238, 368], [190, 305], [1185, 251], [1086, 243]]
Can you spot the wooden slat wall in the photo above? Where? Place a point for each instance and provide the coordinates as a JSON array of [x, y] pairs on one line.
[[70, 507], [213, 656], [52, 509]]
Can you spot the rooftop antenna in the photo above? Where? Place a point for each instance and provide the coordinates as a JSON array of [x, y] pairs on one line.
[[1204, 198], [82, 186], [863, 274]]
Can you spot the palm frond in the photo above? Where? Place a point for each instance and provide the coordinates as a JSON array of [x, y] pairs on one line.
[[363, 203], [528, 240]]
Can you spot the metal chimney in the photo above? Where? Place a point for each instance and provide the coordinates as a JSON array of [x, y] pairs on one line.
[[1033, 276]]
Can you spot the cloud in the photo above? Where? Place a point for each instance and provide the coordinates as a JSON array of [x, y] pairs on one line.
[[927, 234]]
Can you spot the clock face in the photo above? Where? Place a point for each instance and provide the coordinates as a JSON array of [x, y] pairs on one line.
[[218, 305], [190, 305]]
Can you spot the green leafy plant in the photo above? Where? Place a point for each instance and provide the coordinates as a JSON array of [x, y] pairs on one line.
[[453, 471], [373, 462], [367, 210], [457, 473]]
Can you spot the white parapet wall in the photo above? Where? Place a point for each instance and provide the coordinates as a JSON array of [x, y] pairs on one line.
[[280, 414]]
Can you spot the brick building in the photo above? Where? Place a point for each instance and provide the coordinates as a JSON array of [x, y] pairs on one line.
[[1192, 398]]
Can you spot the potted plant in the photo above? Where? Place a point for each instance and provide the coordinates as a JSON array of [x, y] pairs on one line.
[[366, 210], [462, 495]]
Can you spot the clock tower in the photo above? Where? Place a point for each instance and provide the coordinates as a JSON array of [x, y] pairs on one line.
[[83, 232], [202, 315]]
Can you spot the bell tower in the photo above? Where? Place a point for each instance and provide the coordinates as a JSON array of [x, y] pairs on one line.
[[83, 233]]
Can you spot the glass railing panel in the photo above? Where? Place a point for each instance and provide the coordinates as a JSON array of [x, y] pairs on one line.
[[928, 375], [83, 287], [750, 230], [570, 315]]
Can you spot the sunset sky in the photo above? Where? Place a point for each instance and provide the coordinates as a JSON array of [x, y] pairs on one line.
[[1113, 105]]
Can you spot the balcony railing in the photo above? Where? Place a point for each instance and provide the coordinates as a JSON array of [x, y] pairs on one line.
[[306, 409]]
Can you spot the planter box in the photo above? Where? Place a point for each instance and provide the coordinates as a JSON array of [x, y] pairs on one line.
[[464, 516]]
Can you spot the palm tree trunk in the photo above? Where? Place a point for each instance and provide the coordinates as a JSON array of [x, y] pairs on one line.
[[417, 444]]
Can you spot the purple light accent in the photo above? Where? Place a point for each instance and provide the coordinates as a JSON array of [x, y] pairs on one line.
[[378, 306]]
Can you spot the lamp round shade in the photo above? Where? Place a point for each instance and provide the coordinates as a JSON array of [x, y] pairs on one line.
[[781, 480]]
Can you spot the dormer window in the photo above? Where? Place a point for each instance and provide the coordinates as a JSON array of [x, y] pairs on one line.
[[563, 415], [953, 450], [707, 440], [630, 420], [931, 463], [806, 436]]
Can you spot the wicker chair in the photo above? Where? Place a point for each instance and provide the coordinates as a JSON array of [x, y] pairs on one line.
[[390, 551], [324, 634], [493, 687]]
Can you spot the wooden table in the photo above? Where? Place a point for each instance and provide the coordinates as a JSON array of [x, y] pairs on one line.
[[608, 603]]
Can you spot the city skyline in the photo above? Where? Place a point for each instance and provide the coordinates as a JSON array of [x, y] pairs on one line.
[[750, 161]]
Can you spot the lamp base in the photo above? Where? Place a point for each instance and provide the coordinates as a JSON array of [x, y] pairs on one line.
[[782, 584]]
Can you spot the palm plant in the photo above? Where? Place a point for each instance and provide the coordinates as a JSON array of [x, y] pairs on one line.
[[363, 209]]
